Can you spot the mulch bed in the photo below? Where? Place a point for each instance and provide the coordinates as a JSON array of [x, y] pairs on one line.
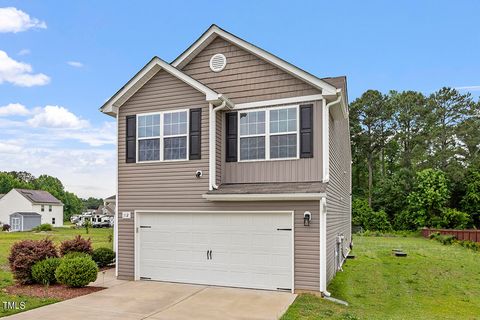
[[56, 291]]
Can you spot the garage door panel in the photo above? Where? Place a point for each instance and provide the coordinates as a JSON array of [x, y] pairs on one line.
[[247, 249]]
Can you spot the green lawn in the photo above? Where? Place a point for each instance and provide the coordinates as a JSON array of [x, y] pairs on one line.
[[433, 282], [100, 238]]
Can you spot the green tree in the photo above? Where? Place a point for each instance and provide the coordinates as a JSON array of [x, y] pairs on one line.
[[92, 203], [448, 109], [8, 182], [429, 196], [372, 126], [72, 205], [471, 200]]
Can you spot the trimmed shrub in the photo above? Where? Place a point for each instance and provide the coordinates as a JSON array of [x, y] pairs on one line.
[[103, 256], [43, 227], [77, 244], [6, 227], [44, 271], [24, 254], [76, 254], [76, 272]]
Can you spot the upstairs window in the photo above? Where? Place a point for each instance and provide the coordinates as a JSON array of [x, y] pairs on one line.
[[252, 135], [49, 208], [42, 208], [269, 134], [175, 135], [162, 136]]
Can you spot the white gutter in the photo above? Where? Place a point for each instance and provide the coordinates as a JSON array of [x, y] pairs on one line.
[[212, 141]]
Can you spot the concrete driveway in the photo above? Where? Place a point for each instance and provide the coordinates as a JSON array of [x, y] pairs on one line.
[[162, 300]]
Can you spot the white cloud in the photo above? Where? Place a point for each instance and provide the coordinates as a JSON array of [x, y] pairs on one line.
[[14, 109], [469, 88], [23, 52], [14, 20], [91, 172], [19, 73], [57, 117], [75, 64]]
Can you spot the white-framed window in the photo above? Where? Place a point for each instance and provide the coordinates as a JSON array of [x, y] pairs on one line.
[[42, 208], [49, 208], [269, 134], [162, 136], [53, 220]]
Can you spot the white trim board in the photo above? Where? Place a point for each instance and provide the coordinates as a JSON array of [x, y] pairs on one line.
[[264, 197], [215, 31], [145, 74], [277, 102]]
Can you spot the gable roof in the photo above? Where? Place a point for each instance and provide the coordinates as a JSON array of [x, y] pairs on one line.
[[30, 214], [38, 196], [146, 73], [214, 31]]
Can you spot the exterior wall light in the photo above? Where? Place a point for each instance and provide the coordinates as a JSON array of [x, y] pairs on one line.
[[307, 217]]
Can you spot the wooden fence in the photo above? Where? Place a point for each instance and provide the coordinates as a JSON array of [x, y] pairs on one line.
[[472, 235]]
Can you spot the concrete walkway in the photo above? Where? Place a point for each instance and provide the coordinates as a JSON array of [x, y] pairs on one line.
[[162, 300]]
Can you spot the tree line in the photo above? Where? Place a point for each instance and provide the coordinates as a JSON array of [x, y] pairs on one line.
[[24, 180], [415, 160]]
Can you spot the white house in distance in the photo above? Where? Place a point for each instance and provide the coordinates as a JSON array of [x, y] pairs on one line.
[[29, 201]]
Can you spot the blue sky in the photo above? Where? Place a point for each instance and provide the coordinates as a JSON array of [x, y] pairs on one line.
[[80, 53]]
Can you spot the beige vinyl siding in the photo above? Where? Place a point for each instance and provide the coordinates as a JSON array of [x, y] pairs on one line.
[[338, 190], [173, 185], [296, 170], [246, 78]]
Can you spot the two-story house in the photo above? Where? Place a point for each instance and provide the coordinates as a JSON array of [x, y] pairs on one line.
[[36, 206], [233, 170]]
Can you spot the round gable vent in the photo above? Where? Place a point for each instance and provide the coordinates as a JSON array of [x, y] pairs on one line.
[[218, 62]]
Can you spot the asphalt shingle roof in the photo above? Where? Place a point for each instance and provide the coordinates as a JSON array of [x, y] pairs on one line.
[[38, 196]]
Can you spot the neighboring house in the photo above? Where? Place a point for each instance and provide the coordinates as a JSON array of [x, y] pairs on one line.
[[25, 201], [233, 170], [24, 221]]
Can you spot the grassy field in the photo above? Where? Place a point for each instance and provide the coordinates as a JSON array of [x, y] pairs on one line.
[[433, 282], [100, 238]]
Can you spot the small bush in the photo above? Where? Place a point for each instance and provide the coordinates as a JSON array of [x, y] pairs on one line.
[[44, 271], [6, 227], [24, 254], [77, 244], [434, 235], [363, 215], [446, 240], [76, 272], [103, 256], [76, 254], [43, 227]]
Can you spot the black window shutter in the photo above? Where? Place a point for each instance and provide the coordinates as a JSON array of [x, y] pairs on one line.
[[231, 137], [306, 131], [131, 138], [195, 135]]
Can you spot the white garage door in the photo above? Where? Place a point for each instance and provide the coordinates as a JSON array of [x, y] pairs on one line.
[[251, 250]]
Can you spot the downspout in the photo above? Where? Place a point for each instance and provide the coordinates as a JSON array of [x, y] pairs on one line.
[[323, 247], [212, 164], [323, 205]]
